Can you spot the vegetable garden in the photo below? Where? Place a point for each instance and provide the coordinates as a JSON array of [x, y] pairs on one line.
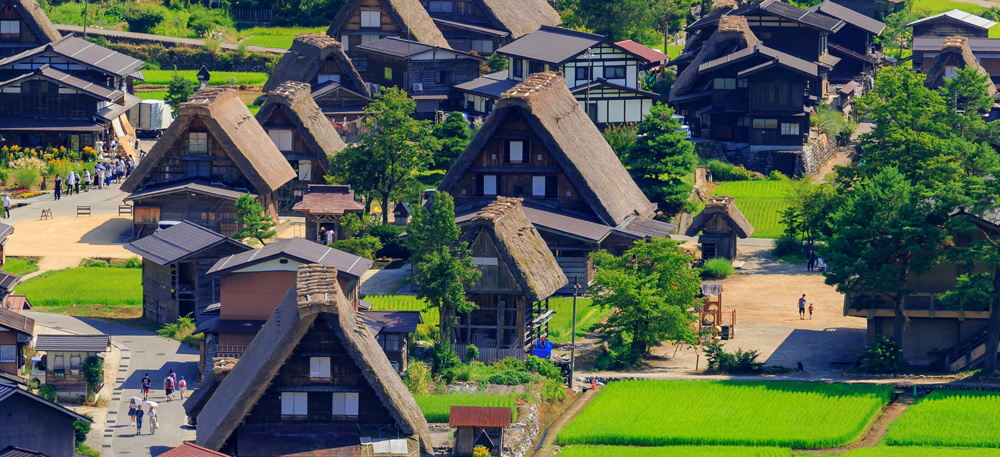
[[437, 408], [950, 418]]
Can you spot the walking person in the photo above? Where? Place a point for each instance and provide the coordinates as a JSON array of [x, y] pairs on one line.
[[132, 405], [138, 420], [88, 179], [6, 206], [168, 387], [154, 422], [802, 307], [810, 310], [76, 183], [182, 386], [810, 260], [58, 188], [146, 383]]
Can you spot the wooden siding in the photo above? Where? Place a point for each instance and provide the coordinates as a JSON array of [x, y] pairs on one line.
[[38, 427], [93, 74], [495, 278], [158, 304], [174, 165], [946, 27], [218, 214], [776, 90], [786, 35], [254, 296], [53, 105]]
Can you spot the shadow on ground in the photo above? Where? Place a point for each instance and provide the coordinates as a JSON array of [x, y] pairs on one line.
[[114, 231], [819, 349]]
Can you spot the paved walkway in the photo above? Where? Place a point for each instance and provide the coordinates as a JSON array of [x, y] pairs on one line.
[[133, 36], [141, 353]]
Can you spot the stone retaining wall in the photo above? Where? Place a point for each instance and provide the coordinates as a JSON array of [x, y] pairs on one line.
[[520, 437], [807, 161]]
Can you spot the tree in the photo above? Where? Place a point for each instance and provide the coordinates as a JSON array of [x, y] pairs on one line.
[[660, 159], [442, 266], [620, 137], [453, 135], [390, 149], [967, 101], [882, 235], [253, 222], [497, 62], [621, 20], [648, 290], [897, 35], [93, 372], [178, 91]]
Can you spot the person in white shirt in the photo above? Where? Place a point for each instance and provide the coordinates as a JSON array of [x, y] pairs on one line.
[[6, 206]]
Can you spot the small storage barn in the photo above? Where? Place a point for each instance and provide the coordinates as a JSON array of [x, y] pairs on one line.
[[64, 358], [478, 426], [720, 223]]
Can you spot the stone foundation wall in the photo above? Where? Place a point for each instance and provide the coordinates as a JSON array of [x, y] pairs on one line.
[[519, 437], [817, 154], [807, 161]]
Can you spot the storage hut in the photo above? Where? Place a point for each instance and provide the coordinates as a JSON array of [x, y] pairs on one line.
[[720, 223], [478, 426], [324, 206], [64, 358], [401, 214]]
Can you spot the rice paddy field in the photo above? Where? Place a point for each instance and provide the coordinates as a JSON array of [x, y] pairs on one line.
[[561, 325], [674, 451], [949, 418], [761, 202], [914, 451], [108, 286], [405, 303], [437, 408], [163, 77], [20, 265], [152, 95], [275, 37], [782, 414]]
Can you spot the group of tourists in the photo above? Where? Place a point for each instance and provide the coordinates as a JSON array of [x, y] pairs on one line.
[[104, 175], [171, 383]]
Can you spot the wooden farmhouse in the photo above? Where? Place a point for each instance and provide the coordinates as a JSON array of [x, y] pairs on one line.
[[64, 358], [316, 378], [956, 54], [854, 44], [363, 21], [70, 93], [608, 78], [519, 273], [483, 26], [392, 330], [323, 207], [174, 266], [337, 87], [539, 145], [718, 226], [952, 23], [303, 134], [42, 426], [16, 332], [214, 152], [24, 26], [478, 426], [427, 73]]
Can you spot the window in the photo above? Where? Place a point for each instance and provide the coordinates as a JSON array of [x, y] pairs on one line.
[[319, 368], [281, 138], [444, 76], [517, 68], [74, 363], [198, 141], [10, 27], [390, 342], [617, 72], [489, 185], [515, 151], [724, 83], [294, 405], [482, 47], [8, 353], [485, 261], [789, 128], [950, 72], [765, 123], [202, 168], [582, 73], [387, 73], [345, 403], [822, 45], [368, 38], [441, 6], [535, 67], [320, 79], [538, 186], [59, 363], [371, 19]]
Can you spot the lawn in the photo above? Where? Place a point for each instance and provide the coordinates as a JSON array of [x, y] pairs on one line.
[[761, 202], [560, 327], [104, 286], [949, 418], [437, 408], [152, 95], [406, 303], [674, 50], [163, 77], [786, 414], [674, 451], [275, 37], [20, 265], [921, 451]]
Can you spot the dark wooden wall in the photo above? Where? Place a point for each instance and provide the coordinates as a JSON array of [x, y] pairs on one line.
[[8, 13], [31, 425], [777, 90], [799, 41], [157, 299], [496, 278], [946, 27], [48, 105], [173, 166]]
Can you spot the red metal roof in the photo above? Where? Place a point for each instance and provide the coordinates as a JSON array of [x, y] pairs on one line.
[[479, 416], [328, 200], [16, 303], [191, 450], [650, 54]]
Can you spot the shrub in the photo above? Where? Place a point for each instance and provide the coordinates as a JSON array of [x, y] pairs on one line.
[[80, 429], [738, 362], [543, 367], [94, 263], [133, 262], [511, 378], [143, 17], [443, 357], [725, 171], [471, 353], [552, 391], [388, 235], [83, 449], [47, 392], [719, 267], [787, 245], [776, 176], [178, 330], [418, 378], [365, 246], [93, 371], [883, 356], [26, 177]]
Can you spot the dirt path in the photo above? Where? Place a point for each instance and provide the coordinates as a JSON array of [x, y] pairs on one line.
[[548, 445]]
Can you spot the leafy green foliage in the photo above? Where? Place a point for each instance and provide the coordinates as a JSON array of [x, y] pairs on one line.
[[792, 414], [882, 356], [178, 330], [443, 357], [84, 286], [497, 62], [365, 246], [719, 268], [418, 378], [453, 135], [830, 121], [739, 362], [620, 137], [471, 353], [48, 392], [725, 171], [437, 408], [673, 451], [93, 371], [643, 21], [80, 430], [253, 222], [660, 159], [178, 91], [949, 418]]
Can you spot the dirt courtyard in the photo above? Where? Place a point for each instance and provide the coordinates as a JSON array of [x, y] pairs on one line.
[[62, 242]]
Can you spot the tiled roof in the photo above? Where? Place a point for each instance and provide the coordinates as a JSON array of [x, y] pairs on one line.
[[328, 200], [644, 52], [300, 250], [394, 321], [554, 45], [179, 242], [17, 322], [81, 343]]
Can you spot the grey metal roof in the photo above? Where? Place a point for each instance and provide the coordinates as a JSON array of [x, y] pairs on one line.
[[492, 85], [647, 228], [8, 390], [12, 451], [179, 242], [978, 45], [48, 72], [794, 13], [300, 250], [781, 58], [474, 28], [393, 321], [850, 16], [87, 53], [958, 15], [550, 221], [5, 230], [191, 186], [8, 280], [553, 45], [397, 47], [81, 343]]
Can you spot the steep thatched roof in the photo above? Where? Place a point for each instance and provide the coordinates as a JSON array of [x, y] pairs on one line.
[[316, 293], [35, 18], [410, 15], [572, 138], [722, 206], [733, 34], [520, 17], [955, 51], [305, 58], [231, 124], [521, 247], [295, 99]]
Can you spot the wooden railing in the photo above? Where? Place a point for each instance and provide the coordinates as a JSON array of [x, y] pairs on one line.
[[492, 354], [230, 350]]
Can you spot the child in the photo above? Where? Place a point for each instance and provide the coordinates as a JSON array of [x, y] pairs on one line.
[[182, 385], [131, 410], [810, 311], [138, 420]]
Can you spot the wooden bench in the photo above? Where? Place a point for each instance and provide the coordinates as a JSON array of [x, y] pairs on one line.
[[82, 211], [46, 214], [124, 209]]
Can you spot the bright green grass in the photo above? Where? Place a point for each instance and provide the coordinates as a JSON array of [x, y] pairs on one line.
[[253, 109], [761, 202], [921, 451], [21, 265], [787, 414], [163, 77], [436, 408], [561, 325], [152, 95], [85, 286], [674, 451], [405, 303], [949, 418], [932, 7], [275, 37], [674, 50]]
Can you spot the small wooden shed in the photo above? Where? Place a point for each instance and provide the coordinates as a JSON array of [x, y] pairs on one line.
[[401, 214], [479, 426], [64, 358], [720, 224]]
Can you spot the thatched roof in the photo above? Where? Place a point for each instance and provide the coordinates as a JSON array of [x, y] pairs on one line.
[[521, 247], [231, 124], [572, 138], [410, 15], [732, 35], [956, 50], [35, 18], [305, 58], [724, 207], [519, 17], [316, 293], [295, 99]]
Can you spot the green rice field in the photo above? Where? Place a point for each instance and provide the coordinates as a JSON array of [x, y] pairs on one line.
[[437, 408], [674, 451], [914, 451], [163, 77], [275, 37], [20, 265], [932, 7], [107, 286], [152, 95], [786, 414], [561, 325], [405, 303], [761, 202], [949, 418]]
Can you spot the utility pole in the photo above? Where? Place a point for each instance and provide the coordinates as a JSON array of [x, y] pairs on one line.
[[86, 6], [572, 338], [590, 78]]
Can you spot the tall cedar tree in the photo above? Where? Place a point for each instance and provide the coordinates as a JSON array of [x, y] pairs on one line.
[[391, 148], [453, 136], [882, 235], [253, 222], [178, 91], [442, 266], [648, 290], [660, 159]]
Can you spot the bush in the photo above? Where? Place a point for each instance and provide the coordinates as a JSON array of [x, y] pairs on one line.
[[93, 371], [480, 451], [776, 176], [94, 263], [738, 362], [725, 171], [552, 391], [543, 367], [388, 235], [883, 356], [80, 430], [133, 262], [787, 245], [83, 449], [143, 17], [47, 392], [365, 246], [418, 378], [178, 330], [26, 177], [443, 357], [719, 267], [471, 353], [511, 378]]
